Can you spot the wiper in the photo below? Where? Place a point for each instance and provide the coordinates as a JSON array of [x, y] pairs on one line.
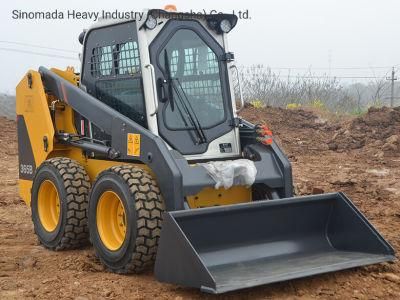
[[184, 101], [171, 94], [189, 111]]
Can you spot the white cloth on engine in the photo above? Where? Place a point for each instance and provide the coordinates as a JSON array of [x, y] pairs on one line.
[[231, 172]]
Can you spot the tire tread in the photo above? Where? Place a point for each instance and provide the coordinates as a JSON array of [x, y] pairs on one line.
[[149, 206], [77, 186]]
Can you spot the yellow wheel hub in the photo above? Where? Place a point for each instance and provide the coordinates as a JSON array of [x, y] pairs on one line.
[[48, 205], [111, 220]]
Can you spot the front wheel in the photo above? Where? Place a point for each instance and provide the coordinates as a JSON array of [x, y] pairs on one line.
[[125, 207]]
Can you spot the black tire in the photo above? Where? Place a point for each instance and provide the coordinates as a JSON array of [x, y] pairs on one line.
[[143, 206], [72, 184]]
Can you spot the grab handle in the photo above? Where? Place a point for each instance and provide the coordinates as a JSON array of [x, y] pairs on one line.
[[240, 88], [153, 81]]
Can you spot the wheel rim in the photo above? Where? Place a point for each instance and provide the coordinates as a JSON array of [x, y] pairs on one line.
[[111, 220], [48, 205]]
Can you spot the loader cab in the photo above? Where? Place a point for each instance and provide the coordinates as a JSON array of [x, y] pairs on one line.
[[170, 73]]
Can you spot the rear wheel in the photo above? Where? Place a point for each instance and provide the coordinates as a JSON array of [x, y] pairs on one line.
[[125, 207], [59, 204]]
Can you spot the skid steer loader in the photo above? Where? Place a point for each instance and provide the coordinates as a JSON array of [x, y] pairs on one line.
[[113, 155]]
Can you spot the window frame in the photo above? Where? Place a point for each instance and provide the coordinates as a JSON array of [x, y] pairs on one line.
[[204, 35], [114, 36], [182, 68]]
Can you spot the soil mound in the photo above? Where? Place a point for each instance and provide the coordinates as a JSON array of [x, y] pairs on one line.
[[379, 129], [280, 118]]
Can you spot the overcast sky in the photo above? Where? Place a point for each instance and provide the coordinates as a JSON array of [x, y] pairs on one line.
[[280, 33]]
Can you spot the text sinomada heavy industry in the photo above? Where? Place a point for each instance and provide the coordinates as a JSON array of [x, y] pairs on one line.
[[73, 14]]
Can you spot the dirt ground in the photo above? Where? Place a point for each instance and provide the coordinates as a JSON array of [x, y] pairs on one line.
[[368, 173]]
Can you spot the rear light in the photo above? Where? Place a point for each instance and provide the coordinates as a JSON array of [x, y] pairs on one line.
[[265, 140], [264, 135]]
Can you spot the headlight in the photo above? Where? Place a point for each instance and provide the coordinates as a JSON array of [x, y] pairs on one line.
[[225, 26], [151, 22]]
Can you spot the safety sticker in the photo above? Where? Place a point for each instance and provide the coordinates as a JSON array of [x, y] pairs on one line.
[[133, 144]]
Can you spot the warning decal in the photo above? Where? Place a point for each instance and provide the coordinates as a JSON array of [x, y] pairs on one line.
[[133, 144]]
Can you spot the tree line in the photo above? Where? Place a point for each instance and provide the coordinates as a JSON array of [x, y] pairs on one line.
[[263, 86]]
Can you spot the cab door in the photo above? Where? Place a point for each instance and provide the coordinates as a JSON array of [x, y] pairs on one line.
[[191, 76]]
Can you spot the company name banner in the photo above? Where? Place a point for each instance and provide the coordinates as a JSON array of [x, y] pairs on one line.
[[72, 14]]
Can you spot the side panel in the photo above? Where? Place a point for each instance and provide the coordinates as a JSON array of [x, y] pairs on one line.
[[33, 106], [27, 164], [34, 127]]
